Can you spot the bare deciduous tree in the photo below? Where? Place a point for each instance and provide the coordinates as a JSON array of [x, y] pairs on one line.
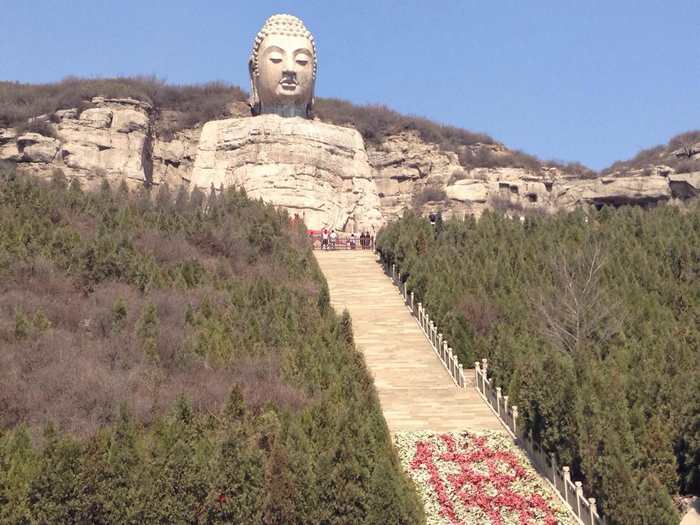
[[576, 310]]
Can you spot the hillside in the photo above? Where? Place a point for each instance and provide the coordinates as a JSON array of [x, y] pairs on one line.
[[681, 155], [591, 324], [148, 132], [175, 359]]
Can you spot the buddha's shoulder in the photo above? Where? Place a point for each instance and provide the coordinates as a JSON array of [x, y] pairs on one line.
[[267, 126]]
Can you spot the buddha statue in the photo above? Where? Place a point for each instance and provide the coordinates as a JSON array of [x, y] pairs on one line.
[[313, 169], [282, 68]]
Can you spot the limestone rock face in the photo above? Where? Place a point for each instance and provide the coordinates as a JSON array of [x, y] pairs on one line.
[[404, 165], [613, 190], [8, 145], [318, 171], [484, 188], [173, 160], [519, 189], [685, 185], [37, 148], [321, 172], [111, 140]]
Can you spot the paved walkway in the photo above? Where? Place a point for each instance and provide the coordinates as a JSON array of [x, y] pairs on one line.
[[692, 517], [415, 390]]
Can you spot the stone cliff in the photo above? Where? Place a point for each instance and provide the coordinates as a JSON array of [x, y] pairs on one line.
[[312, 169], [112, 139], [323, 172]]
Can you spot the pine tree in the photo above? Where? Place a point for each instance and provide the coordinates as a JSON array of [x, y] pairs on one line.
[[346, 328], [655, 506]]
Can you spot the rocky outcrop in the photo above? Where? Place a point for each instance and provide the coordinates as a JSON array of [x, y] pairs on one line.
[[173, 160], [322, 172], [107, 140], [404, 165], [33, 147], [517, 188], [521, 190], [685, 185], [614, 191], [315, 170]]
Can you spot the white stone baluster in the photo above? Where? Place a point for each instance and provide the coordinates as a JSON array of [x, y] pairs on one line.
[[567, 480], [593, 510], [579, 495]]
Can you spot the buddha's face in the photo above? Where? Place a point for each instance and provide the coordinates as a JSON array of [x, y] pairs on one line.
[[286, 71]]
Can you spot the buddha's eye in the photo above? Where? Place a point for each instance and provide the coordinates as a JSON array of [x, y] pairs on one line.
[[302, 61], [275, 58]]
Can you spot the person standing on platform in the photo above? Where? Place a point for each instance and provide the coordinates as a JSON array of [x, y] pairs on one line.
[[324, 239]]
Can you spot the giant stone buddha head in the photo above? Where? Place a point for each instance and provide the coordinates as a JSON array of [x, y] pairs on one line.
[[282, 68]]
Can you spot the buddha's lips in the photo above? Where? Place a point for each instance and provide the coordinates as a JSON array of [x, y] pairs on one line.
[[288, 84]]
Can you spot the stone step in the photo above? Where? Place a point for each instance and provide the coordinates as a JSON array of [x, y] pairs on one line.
[[415, 390]]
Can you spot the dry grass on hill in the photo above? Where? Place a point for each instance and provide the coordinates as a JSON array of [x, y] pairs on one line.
[[662, 155], [195, 104]]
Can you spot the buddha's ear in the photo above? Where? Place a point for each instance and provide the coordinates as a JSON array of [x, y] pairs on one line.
[[254, 100]]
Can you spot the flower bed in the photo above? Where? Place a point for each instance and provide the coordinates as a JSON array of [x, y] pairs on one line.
[[477, 478]]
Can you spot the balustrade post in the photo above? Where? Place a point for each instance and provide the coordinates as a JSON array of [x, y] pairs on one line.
[[498, 400], [485, 367], [505, 405], [449, 360], [412, 298], [443, 354], [461, 375], [579, 495], [393, 272], [515, 420], [553, 459], [439, 340], [593, 510], [426, 318], [477, 374], [420, 314], [567, 480]]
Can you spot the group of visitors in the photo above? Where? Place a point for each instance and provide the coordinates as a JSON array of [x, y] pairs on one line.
[[329, 240], [365, 241]]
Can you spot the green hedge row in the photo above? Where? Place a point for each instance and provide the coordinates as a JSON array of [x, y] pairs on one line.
[[591, 324], [173, 358]]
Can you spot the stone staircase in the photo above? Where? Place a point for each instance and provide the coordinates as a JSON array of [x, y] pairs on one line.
[[415, 390]]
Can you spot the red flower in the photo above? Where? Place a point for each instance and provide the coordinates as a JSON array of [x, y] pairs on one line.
[[485, 480]]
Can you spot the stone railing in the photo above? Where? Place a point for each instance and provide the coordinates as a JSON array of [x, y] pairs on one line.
[[440, 346], [560, 478], [571, 492]]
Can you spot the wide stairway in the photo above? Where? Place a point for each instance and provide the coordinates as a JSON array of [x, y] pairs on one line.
[[415, 390]]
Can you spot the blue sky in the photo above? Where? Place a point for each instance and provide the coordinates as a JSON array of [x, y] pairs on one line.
[[587, 80]]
